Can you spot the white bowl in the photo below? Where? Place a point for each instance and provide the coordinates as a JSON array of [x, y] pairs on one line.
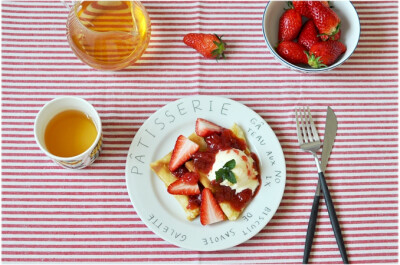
[[350, 31]]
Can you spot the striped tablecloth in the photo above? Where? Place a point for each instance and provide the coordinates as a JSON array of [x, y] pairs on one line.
[[51, 214]]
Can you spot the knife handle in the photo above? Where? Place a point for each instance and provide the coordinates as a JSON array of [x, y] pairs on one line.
[[311, 228], [333, 218]]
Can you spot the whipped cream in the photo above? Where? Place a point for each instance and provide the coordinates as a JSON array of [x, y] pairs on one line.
[[245, 173]]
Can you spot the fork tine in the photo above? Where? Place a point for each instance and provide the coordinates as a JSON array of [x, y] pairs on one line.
[[299, 135], [308, 125], [303, 125], [314, 129]]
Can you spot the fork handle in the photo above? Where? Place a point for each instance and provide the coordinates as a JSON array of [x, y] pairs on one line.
[[311, 228], [333, 218]]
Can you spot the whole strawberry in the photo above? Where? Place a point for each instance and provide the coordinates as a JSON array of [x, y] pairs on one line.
[[325, 19], [302, 7], [325, 53], [289, 25], [209, 45], [308, 35], [292, 52]]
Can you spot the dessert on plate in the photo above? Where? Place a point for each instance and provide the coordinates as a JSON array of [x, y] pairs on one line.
[[211, 173]]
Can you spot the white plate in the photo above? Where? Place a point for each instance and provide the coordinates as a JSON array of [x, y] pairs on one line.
[[162, 213]]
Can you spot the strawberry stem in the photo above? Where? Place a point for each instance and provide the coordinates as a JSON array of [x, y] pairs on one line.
[[336, 29], [221, 46], [314, 62]]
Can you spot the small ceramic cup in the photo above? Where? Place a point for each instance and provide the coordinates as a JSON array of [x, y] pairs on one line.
[[53, 108]]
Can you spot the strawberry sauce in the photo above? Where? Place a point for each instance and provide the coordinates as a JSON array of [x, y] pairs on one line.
[[194, 201], [182, 170]]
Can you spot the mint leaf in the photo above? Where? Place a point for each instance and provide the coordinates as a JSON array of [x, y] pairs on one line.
[[225, 172], [231, 177], [219, 175], [230, 164]]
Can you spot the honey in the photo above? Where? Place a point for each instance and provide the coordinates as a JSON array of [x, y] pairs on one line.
[[108, 35], [69, 133]]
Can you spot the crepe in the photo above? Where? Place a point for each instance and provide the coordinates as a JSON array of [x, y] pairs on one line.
[[160, 167]]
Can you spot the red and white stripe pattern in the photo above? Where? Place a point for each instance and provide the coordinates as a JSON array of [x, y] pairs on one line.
[[55, 215]]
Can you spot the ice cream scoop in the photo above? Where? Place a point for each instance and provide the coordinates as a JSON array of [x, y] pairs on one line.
[[244, 171]]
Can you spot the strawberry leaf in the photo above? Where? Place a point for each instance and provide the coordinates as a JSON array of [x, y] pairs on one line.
[[218, 52]]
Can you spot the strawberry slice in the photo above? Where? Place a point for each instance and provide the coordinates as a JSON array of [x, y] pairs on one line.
[[183, 150], [210, 212], [185, 185], [205, 128]]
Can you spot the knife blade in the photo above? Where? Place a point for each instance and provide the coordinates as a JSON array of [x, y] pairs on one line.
[[329, 139]]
